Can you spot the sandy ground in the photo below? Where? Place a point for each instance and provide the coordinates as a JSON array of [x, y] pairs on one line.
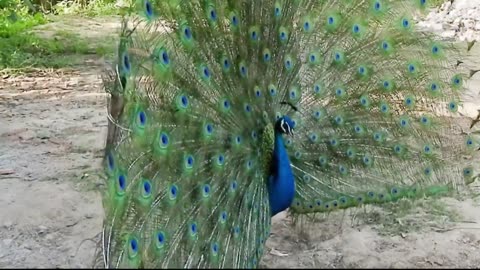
[[52, 130], [460, 20]]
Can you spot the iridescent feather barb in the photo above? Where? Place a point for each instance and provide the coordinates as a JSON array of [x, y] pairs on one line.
[[204, 108]]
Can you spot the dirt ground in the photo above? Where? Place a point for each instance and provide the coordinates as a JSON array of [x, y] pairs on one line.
[[52, 129]]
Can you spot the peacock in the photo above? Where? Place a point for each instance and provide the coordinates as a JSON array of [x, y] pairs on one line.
[[224, 113]]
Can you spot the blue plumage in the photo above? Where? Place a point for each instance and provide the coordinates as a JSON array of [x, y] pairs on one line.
[[281, 183]]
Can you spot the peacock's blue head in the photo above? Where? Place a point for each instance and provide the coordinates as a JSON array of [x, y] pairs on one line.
[[285, 125]]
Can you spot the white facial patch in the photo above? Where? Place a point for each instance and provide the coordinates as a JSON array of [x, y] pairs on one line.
[[289, 130], [281, 125]]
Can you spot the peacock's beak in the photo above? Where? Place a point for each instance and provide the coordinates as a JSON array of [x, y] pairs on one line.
[[292, 132]]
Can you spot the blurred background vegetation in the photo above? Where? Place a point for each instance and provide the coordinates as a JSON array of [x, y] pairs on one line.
[[20, 48]]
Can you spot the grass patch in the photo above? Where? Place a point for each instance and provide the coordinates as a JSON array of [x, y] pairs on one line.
[[90, 9], [11, 24], [29, 51], [22, 49]]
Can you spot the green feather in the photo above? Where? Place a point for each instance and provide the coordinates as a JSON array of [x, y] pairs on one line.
[[189, 156]]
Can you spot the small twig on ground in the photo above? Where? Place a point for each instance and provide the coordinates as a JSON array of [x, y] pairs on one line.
[[6, 172]]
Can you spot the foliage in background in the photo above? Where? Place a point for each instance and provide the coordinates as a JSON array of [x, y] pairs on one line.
[[21, 49], [16, 17], [62, 50], [89, 8]]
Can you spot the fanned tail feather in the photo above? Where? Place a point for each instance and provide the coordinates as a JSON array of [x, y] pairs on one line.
[[185, 165]]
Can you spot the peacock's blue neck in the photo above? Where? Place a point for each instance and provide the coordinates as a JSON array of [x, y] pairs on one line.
[[281, 184]]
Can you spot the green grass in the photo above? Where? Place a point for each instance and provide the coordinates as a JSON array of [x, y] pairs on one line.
[[93, 8], [11, 24], [26, 50], [22, 49]]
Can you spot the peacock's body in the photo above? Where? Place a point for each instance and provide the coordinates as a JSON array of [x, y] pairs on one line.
[[244, 108]]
